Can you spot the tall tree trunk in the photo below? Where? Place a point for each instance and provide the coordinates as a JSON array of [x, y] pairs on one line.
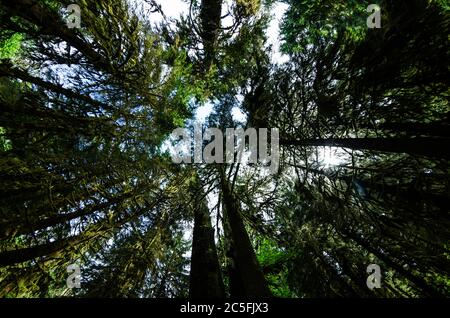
[[429, 129], [251, 275], [29, 253], [424, 146], [236, 285], [210, 16], [384, 190], [205, 277]]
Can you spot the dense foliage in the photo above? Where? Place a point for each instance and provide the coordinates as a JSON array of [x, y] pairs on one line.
[[86, 175]]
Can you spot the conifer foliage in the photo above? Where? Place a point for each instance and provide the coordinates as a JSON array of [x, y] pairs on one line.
[[87, 176]]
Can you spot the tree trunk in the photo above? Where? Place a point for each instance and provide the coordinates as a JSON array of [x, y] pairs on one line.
[[205, 277], [423, 146], [251, 275], [429, 129], [236, 285], [29, 253], [210, 16]]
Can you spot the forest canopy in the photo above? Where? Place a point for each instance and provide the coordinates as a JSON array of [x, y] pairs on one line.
[[88, 180]]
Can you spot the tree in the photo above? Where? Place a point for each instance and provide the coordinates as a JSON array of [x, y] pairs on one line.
[[206, 276], [86, 174]]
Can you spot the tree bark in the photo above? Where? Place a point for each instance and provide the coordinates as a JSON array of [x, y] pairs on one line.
[[210, 16], [205, 277], [25, 254], [251, 275], [430, 129], [423, 146]]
